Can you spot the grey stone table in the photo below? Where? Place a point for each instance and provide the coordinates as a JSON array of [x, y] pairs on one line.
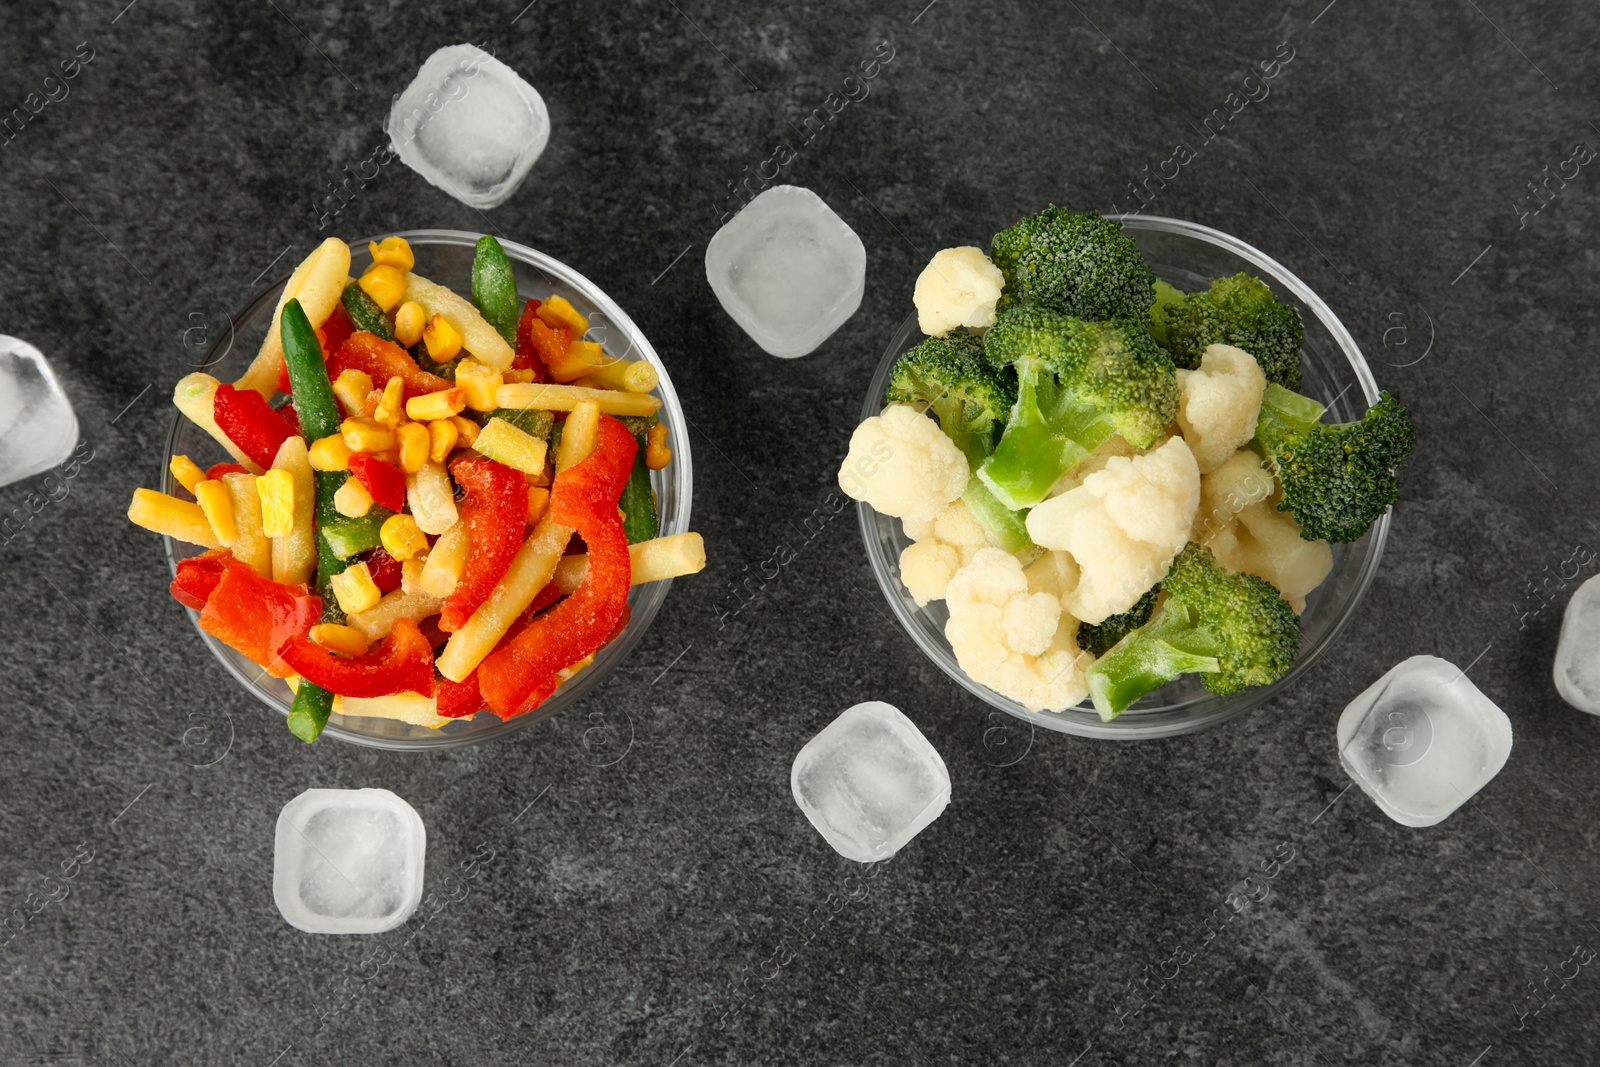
[[644, 889]]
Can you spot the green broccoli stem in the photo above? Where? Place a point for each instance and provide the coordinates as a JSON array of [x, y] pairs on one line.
[[1050, 432], [1007, 529], [1169, 645], [1289, 408], [1030, 455]]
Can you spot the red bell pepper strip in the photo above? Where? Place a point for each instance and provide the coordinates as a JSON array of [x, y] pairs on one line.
[[527, 357], [251, 423], [382, 360], [386, 572], [402, 663], [549, 343], [217, 470], [543, 599], [523, 671], [385, 481], [495, 509], [457, 700], [335, 331], [256, 615], [197, 577]]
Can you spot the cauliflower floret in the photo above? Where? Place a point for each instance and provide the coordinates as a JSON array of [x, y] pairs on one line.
[[958, 287], [1238, 483], [1266, 542], [944, 544], [903, 465], [1018, 643], [1123, 526], [1055, 573], [1108, 449], [1218, 403]]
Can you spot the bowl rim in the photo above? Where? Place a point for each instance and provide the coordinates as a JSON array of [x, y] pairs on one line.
[[651, 597], [1209, 710]]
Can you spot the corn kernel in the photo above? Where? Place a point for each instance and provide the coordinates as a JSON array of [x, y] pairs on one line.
[[466, 430], [385, 283], [276, 489], [443, 339], [436, 405], [478, 384], [392, 404], [387, 455], [558, 310], [411, 574], [351, 389], [409, 319], [392, 251], [365, 435], [656, 452], [187, 471], [352, 499], [355, 590], [213, 498], [525, 376], [538, 500], [402, 538], [330, 454], [442, 435], [339, 638], [411, 442]]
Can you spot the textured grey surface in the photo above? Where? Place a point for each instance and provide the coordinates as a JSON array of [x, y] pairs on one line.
[[673, 906]]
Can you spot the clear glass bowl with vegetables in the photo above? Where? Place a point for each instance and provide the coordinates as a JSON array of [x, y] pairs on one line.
[[431, 489], [1142, 464]]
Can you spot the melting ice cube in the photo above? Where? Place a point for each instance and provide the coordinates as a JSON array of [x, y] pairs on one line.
[[470, 125], [787, 270], [1422, 740], [348, 861], [869, 782], [1577, 667], [37, 426]]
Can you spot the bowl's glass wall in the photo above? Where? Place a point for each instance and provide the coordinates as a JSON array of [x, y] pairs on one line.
[[445, 256], [1188, 256]]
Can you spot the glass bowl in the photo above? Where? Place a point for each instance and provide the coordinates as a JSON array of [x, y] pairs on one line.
[[445, 256], [1188, 256]]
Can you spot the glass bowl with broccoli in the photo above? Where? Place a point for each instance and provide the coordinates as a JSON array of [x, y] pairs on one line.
[[1123, 478]]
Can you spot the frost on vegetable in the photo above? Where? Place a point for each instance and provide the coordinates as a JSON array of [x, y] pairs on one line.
[[903, 465], [1017, 642], [1218, 402], [1123, 526], [958, 287]]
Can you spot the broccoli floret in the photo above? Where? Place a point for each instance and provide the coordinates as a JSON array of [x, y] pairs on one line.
[[971, 397], [1167, 297], [1336, 477], [1097, 638], [1239, 311], [1079, 264], [1233, 628], [1078, 383]]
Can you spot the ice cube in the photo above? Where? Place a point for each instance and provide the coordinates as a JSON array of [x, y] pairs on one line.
[[1422, 740], [470, 125], [37, 427], [788, 270], [348, 861], [869, 782], [1577, 667]]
